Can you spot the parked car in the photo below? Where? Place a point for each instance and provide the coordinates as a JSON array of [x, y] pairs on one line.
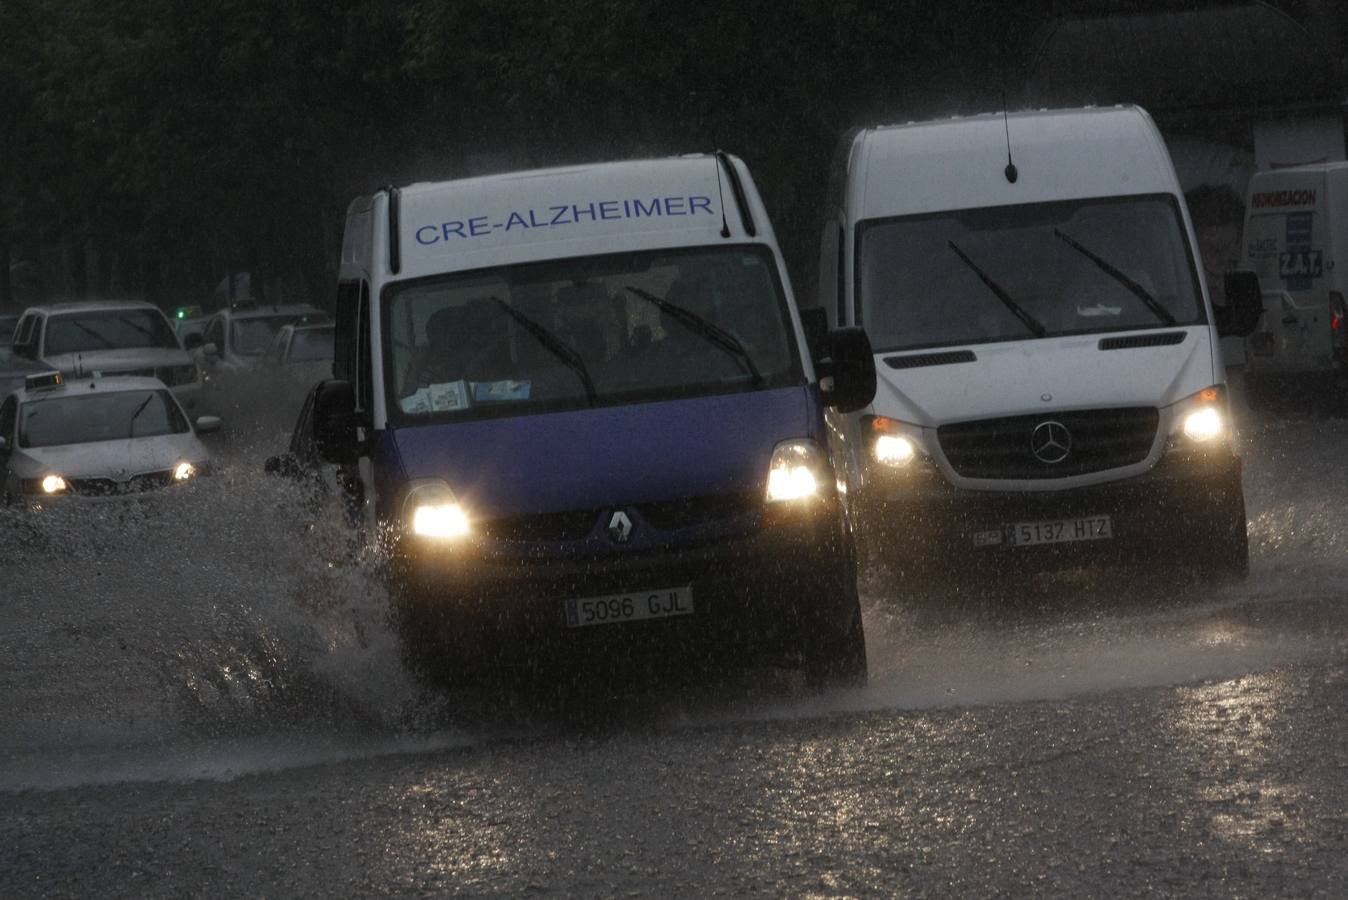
[[235, 340], [105, 338], [302, 354], [95, 437]]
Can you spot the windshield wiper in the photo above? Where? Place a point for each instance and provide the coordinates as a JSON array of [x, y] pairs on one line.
[[1114, 272], [559, 348], [131, 428], [1036, 327], [709, 331], [98, 336]]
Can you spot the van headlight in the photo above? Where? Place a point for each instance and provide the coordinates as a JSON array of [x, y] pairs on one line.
[[892, 444], [1204, 425], [1201, 418], [798, 471], [432, 511]]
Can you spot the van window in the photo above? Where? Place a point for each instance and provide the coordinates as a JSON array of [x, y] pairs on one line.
[[1072, 267], [344, 337], [601, 330], [364, 383], [108, 330]]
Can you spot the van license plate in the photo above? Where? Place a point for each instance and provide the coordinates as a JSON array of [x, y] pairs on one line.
[[1053, 531], [633, 607]]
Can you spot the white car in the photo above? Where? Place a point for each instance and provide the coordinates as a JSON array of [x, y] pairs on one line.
[[302, 353], [234, 340], [96, 437], [108, 337]]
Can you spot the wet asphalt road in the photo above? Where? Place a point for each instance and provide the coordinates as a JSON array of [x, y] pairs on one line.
[[198, 704]]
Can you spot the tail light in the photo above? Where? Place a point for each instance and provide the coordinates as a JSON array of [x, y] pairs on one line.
[[1338, 311]]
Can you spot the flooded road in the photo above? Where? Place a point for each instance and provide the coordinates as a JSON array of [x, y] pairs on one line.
[[201, 693]]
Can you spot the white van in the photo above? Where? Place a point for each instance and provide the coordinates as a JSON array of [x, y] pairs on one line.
[[1295, 239], [1050, 383]]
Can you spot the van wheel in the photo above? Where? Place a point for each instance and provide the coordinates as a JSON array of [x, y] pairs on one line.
[[836, 658], [1338, 395], [423, 653], [1229, 552]]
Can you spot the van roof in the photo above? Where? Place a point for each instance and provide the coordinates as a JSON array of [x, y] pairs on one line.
[[959, 163], [571, 210]]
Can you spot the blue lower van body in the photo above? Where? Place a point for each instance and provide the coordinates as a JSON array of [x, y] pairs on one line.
[[626, 530]]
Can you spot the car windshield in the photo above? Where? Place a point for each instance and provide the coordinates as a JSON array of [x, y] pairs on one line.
[[1025, 271], [252, 336], [90, 418], [121, 329], [588, 331], [311, 345]]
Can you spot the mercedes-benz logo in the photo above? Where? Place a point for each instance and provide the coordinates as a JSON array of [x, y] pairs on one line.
[[620, 527], [1050, 442]]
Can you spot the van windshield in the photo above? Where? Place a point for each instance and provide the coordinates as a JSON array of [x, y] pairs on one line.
[[589, 331], [1026, 271]]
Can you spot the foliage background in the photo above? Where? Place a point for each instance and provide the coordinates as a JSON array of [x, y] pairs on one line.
[[149, 147]]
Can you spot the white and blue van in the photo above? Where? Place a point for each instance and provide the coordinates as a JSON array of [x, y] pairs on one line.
[[1296, 231], [579, 405], [1051, 385]]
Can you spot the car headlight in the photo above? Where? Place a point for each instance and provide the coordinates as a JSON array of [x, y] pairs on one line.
[[798, 471], [183, 471], [53, 484], [1202, 417], [432, 511]]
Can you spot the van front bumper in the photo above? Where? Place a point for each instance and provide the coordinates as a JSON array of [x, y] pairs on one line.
[[754, 593], [1180, 506]]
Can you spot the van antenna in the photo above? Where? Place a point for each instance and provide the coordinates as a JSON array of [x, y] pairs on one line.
[[1011, 172], [720, 193]]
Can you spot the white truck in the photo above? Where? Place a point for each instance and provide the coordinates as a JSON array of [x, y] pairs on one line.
[[1296, 232], [1050, 382]]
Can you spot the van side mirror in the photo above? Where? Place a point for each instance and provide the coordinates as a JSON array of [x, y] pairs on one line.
[[207, 424], [209, 349], [847, 375], [1244, 305], [334, 422]]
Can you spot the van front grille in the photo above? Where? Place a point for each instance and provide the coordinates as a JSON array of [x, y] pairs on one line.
[[1099, 439], [672, 515], [572, 525]]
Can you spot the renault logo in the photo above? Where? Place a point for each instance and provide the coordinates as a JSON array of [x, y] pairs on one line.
[[620, 527], [1050, 442]]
